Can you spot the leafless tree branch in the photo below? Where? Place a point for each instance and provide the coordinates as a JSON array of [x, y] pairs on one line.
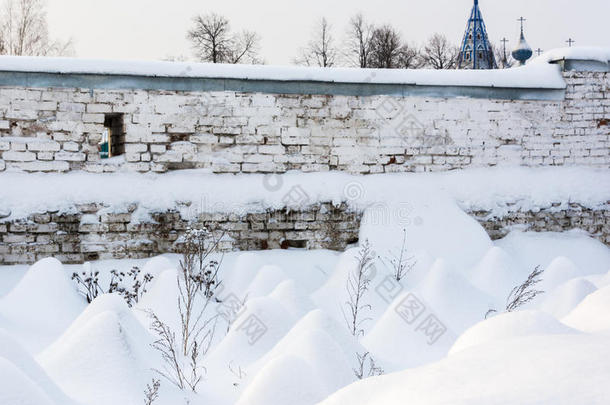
[[212, 41], [438, 53], [321, 50]]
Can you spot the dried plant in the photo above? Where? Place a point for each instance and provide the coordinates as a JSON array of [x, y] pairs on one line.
[[523, 293], [363, 370], [400, 263], [197, 283], [151, 393], [357, 285], [89, 285], [134, 292], [238, 373]]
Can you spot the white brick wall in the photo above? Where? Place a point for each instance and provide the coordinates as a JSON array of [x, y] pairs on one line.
[[59, 129]]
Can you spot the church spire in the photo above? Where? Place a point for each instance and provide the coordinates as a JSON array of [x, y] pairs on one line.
[[475, 51]]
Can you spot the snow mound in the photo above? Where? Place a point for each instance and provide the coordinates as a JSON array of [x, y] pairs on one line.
[[566, 297], [161, 298], [284, 380], [551, 369], [593, 313], [453, 298], [18, 389], [509, 325], [496, 274], [258, 327], [402, 338], [243, 272], [291, 299], [533, 249], [267, 278], [560, 270], [21, 365], [104, 356], [157, 265], [434, 224], [327, 347], [42, 305]]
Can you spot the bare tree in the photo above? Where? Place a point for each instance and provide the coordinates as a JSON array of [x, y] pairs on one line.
[[385, 48], [244, 48], [321, 50], [358, 44], [357, 285], [24, 31], [197, 283], [438, 53], [213, 41], [523, 293], [409, 57]]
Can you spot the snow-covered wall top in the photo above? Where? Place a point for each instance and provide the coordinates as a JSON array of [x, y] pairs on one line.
[[539, 76], [592, 53]]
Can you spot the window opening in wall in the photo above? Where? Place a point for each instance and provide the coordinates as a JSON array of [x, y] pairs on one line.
[[113, 137], [294, 244]]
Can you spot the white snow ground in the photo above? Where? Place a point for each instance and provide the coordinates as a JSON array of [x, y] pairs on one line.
[[555, 350], [427, 332]]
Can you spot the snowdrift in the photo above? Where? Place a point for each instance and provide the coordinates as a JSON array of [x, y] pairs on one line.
[[552, 369], [104, 356], [41, 306]]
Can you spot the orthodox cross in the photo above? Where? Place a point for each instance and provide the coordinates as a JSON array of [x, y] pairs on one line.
[[539, 51], [570, 41], [504, 41]]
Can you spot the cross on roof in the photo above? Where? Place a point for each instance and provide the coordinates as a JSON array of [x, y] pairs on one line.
[[570, 41], [522, 20], [539, 51]]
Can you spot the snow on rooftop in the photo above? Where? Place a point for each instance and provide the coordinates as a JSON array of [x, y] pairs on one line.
[[590, 53], [542, 76]]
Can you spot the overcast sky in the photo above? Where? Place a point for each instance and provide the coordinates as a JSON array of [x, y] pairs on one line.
[[154, 29]]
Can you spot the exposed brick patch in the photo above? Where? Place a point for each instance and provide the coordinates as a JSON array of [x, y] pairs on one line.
[[94, 232], [596, 222]]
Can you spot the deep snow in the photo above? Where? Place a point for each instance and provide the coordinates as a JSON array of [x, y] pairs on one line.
[[554, 350], [498, 190]]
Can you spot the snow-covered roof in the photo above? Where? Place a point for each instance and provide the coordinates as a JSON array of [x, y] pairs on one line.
[[538, 76], [589, 53]]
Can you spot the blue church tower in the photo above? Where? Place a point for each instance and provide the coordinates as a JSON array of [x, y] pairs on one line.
[[476, 51]]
